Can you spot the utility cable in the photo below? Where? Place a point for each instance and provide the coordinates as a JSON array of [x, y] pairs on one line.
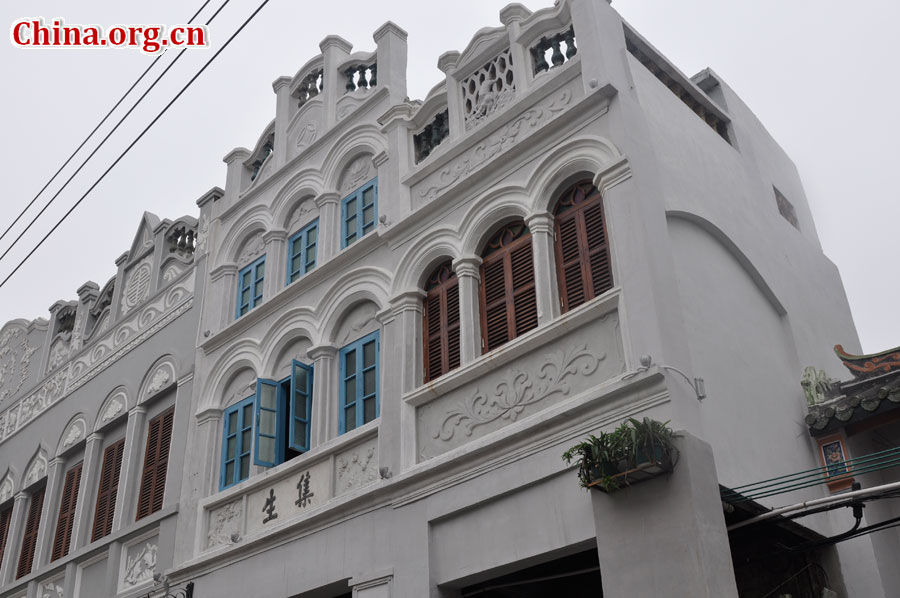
[[91, 134], [103, 141], [133, 143]]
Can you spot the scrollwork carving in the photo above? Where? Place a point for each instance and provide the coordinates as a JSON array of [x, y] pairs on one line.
[[356, 468], [223, 524], [518, 390]]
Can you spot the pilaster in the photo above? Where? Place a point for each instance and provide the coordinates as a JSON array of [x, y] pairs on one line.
[[406, 309], [276, 262], [87, 492], [546, 289], [14, 537], [49, 512], [391, 59], [325, 392], [282, 87], [329, 226], [468, 271], [447, 64], [335, 50], [129, 480]]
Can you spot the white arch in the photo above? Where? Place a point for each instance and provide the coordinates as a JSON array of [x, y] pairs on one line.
[[257, 219], [422, 256], [74, 432], [498, 207], [366, 283], [115, 405], [361, 139], [160, 375], [36, 468], [244, 354], [299, 322], [307, 182]]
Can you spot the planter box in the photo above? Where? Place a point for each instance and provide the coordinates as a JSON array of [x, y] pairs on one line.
[[628, 475]]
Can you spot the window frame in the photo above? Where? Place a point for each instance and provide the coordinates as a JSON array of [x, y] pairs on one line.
[[116, 453], [65, 519], [359, 369], [256, 279], [291, 411], [441, 292], [303, 237], [277, 439], [360, 230], [152, 489], [237, 408]]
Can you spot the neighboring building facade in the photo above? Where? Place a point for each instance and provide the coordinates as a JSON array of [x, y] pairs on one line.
[[93, 402], [406, 311]]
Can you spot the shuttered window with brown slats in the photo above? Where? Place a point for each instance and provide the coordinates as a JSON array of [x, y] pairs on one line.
[[156, 460], [5, 518], [66, 520], [441, 322], [508, 300], [108, 490], [582, 249], [29, 539]]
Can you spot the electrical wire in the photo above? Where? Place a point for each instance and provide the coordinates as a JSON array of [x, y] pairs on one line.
[[103, 141], [91, 134], [133, 143]]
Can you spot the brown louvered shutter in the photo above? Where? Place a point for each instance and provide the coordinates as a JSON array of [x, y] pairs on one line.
[[508, 300], [156, 460], [582, 249], [66, 519], [5, 518], [108, 490], [29, 539], [441, 323]]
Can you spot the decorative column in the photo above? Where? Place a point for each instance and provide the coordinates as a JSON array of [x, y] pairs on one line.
[[47, 526], [87, 491], [447, 64], [335, 50], [405, 333], [391, 59], [329, 226], [282, 88], [87, 294], [237, 176], [222, 296], [325, 393], [207, 444], [132, 458], [546, 289], [14, 537], [468, 271], [276, 263], [511, 16]]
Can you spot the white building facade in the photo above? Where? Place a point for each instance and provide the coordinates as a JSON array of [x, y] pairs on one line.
[[405, 311]]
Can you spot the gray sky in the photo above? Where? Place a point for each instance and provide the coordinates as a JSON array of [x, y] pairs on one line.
[[818, 74]]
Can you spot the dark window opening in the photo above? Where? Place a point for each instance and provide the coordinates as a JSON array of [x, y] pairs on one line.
[[576, 575]]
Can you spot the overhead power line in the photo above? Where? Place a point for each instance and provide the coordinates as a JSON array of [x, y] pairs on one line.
[[138, 138], [103, 141], [91, 134]]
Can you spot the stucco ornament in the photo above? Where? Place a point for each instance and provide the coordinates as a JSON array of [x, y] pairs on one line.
[[517, 390], [173, 271], [137, 287], [15, 361], [74, 434], [494, 145], [358, 172], [36, 471], [161, 377], [46, 395], [49, 589], [252, 250], [141, 566], [114, 408], [356, 468], [202, 234], [306, 207], [59, 353], [6, 489], [224, 523], [816, 385], [307, 135]]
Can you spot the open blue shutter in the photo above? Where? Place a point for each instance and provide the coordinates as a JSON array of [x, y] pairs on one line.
[[300, 405], [267, 423]]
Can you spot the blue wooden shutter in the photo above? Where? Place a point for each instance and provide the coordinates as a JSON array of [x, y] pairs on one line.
[[267, 424], [300, 405]]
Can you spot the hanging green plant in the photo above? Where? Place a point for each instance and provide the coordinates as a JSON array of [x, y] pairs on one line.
[[635, 451]]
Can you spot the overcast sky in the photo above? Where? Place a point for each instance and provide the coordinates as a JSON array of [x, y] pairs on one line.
[[821, 75]]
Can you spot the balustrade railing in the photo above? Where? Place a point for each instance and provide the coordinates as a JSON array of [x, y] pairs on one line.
[[431, 136], [256, 165], [310, 87], [362, 76], [488, 89], [553, 47], [182, 239]]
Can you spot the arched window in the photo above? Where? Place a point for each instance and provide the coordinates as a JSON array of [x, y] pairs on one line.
[[441, 322], [582, 249], [508, 301]]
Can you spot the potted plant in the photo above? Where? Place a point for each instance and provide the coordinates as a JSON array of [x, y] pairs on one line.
[[635, 451]]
